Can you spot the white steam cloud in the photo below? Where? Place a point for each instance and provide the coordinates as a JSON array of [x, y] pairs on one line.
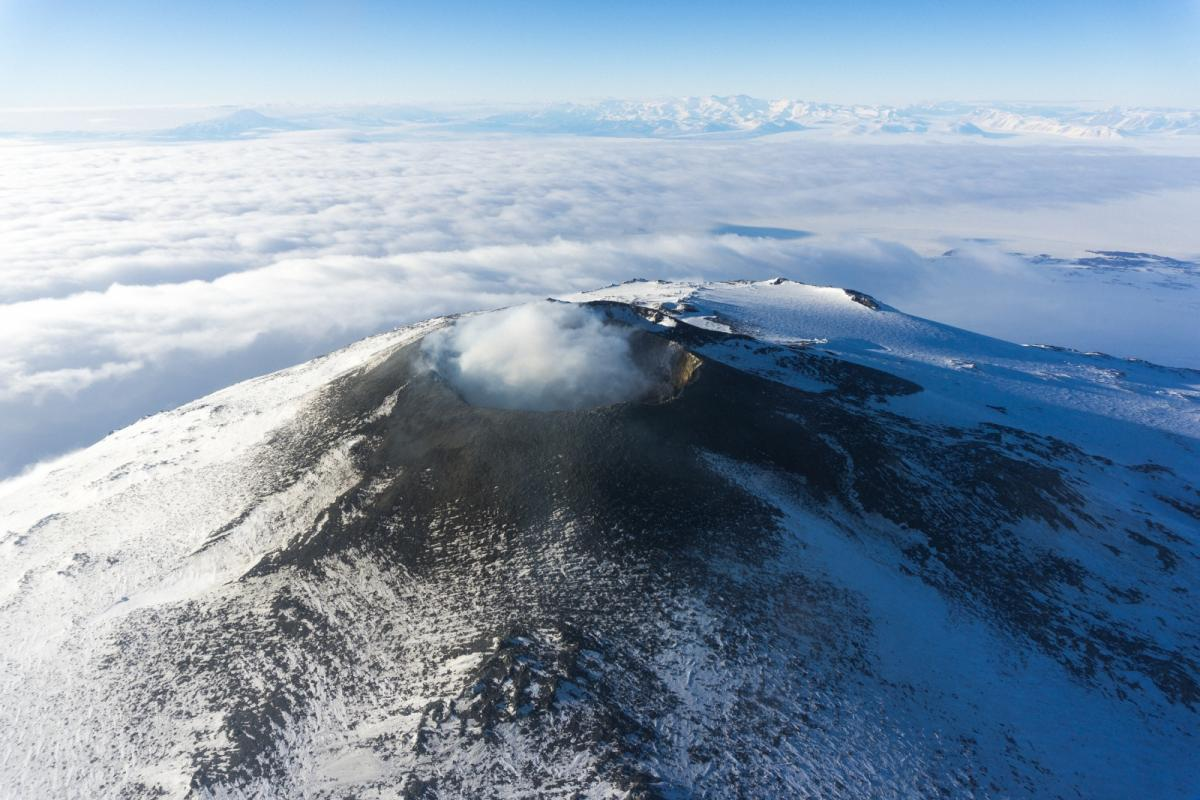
[[544, 356]]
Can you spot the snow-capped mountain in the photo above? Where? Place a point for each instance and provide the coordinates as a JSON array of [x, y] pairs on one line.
[[240, 124], [692, 116], [824, 549], [739, 114]]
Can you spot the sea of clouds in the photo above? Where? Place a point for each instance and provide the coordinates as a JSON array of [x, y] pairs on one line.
[[137, 275]]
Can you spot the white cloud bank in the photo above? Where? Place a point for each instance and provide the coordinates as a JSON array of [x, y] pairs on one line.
[[136, 276]]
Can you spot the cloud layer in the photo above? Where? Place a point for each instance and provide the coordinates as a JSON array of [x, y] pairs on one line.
[[136, 276]]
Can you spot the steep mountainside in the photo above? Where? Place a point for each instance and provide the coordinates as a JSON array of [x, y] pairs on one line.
[[830, 550]]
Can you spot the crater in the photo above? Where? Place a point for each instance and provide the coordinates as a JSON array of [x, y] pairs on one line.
[[553, 356]]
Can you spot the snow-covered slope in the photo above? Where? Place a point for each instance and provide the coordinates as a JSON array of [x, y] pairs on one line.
[[855, 554]]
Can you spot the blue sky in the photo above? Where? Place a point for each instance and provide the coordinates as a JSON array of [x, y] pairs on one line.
[[137, 52]]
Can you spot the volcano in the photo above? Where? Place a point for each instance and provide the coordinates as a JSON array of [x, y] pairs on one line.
[[815, 547]]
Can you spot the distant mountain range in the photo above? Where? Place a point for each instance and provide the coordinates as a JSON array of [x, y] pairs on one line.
[[737, 115], [710, 116], [749, 115]]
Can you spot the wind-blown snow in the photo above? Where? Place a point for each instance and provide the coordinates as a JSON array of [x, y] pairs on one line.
[[539, 357]]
